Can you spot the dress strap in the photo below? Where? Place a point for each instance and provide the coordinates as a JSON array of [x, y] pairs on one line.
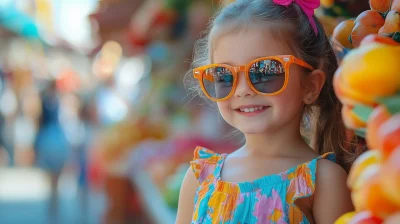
[[204, 163], [219, 165], [302, 179]]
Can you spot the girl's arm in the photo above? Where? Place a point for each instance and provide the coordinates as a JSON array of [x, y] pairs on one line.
[[332, 196], [186, 198]]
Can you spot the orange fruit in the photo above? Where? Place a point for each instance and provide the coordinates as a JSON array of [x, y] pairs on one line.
[[390, 177], [392, 23], [342, 32], [370, 197], [370, 158], [375, 38], [389, 135], [380, 5], [344, 219], [350, 119], [345, 94], [378, 116], [368, 22], [371, 71], [364, 175], [365, 217]]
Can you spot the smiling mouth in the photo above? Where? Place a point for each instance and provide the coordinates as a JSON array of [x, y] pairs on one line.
[[249, 110]]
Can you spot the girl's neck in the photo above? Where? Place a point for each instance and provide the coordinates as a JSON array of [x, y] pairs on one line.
[[285, 142]]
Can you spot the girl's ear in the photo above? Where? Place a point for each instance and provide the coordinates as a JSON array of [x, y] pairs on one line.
[[314, 83]]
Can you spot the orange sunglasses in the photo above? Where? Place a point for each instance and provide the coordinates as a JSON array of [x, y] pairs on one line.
[[266, 76]]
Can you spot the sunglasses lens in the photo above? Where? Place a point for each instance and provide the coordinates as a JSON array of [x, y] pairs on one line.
[[218, 82], [267, 76]]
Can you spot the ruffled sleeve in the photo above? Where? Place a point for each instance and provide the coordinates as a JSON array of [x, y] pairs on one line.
[[204, 163], [302, 180]]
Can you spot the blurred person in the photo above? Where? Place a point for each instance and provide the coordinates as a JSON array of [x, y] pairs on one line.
[[51, 146], [25, 125], [3, 152], [79, 120], [87, 125], [3, 157], [8, 109]]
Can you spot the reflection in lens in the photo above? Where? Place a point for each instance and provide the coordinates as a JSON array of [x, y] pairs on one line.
[[267, 76], [218, 82]]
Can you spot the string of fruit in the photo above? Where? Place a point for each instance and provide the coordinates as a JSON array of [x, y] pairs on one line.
[[368, 85]]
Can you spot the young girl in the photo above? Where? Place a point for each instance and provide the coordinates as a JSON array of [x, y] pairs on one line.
[[273, 178]]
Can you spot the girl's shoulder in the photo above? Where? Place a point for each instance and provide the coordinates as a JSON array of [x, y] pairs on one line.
[[332, 196]]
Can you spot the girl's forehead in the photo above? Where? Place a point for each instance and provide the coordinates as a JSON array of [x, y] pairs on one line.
[[244, 45]]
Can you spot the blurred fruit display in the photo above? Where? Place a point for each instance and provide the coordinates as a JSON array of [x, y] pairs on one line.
[[368, 84]]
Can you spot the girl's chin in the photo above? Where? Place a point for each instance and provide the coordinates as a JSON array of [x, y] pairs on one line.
[[255, 130]]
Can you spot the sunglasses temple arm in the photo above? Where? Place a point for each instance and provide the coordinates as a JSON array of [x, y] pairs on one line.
[[303, 63]]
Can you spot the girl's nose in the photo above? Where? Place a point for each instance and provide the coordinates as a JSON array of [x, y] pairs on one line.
[[243, 89]]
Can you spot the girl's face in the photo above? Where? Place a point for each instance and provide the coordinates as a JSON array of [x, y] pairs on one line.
[[279, 111]]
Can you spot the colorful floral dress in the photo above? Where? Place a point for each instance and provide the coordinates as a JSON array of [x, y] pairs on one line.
[[269, 199]]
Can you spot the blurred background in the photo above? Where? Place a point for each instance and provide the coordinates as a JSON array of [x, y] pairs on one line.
[[95, 123]]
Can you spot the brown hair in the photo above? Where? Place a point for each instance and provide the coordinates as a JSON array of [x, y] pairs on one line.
[[328, 131]]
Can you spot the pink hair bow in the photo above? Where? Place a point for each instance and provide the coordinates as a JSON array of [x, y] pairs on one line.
[[307, 6]]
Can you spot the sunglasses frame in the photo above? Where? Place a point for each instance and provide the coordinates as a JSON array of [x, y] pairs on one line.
[[286, 61]]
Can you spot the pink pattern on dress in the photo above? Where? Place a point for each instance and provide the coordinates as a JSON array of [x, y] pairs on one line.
[[267, 209]]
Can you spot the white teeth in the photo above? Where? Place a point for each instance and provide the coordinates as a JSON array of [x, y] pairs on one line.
[[247, 110]]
